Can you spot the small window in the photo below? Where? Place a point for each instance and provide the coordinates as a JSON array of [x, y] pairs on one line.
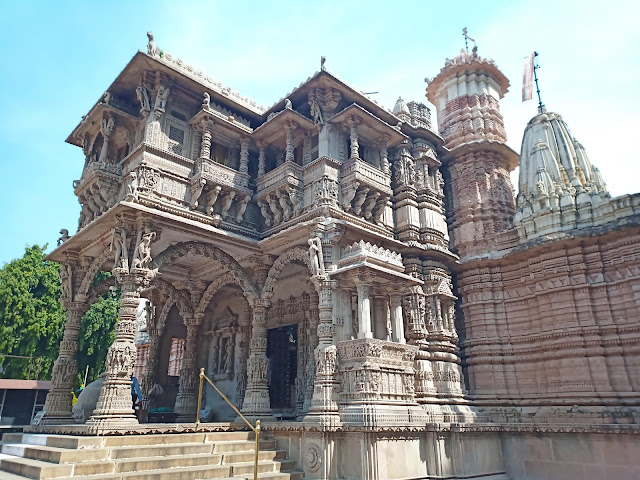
[[176, 139]]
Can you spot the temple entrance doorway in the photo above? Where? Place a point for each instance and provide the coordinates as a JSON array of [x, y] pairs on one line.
[[282, 351]]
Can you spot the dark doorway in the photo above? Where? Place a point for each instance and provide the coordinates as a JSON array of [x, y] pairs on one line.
[[282, 350]]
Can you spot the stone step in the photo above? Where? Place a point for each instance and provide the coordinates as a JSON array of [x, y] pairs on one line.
[[30, 468], [248, 456], [187, 473], [225, 436], [159, 450], [156, 463], [163, 439], [263, 467], [53, 454], [60, 441], [242, 446]]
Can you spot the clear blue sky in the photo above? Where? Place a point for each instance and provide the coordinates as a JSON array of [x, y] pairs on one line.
[[57, 58]]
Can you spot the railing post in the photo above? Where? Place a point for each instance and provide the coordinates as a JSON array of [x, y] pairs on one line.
[[200, 396], [255, 462]]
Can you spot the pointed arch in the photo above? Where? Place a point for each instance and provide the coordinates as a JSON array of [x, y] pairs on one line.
[[99, 289], [298, 253], [209, 251]]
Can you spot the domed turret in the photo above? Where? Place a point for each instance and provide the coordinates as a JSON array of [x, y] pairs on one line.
[[466, 94], [401, 110], [558, 186]]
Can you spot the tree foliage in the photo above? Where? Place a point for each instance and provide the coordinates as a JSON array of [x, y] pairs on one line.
[[32, 319], [31, 316]]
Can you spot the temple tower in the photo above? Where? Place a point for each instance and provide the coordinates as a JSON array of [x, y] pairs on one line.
[[480, 201]]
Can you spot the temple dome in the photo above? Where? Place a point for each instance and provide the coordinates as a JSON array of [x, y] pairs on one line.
[[556, 175], [401, 107]]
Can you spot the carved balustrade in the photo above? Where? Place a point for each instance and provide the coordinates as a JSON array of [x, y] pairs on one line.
[[280, 194], [376, 371]]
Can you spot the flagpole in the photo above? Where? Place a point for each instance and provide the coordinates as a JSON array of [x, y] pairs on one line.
[[535, 77]]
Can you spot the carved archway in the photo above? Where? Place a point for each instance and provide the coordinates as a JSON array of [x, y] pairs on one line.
[[99, 289], [96, 265], [175, 297], [225, 279], [298, 253], [209, 251]]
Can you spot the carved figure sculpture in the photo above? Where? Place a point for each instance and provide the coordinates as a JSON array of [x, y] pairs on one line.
[[228, 357], [119, 242], [106, 97], [151, 45], [225, 203], [315, 255], [206, 102], [143, 98], [287, 104], [132, 186], [242, 207], [161, 98], [142, 254], [64, 236], [316, 113]]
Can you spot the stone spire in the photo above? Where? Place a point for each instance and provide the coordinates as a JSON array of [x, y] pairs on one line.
[[401, 110], [558, 186], [466, 94]]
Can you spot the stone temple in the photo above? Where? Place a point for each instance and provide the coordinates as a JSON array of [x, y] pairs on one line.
[[364, 282]]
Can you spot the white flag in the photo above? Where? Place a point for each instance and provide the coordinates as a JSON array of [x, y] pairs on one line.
[[527, 78]]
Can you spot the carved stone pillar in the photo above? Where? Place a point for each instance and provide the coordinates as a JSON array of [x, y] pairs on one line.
[[114, 407], [244, 156], [289, 157], [397, 325], [57, 407], [187, 399], [384, 157], [152, 365], [324, 408], [261, 159], [205, 144], [353, 130], [364, 312], [347, 327], [313, 344], [256, 399], [106, 129]]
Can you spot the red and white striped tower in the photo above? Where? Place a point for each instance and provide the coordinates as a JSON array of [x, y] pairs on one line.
[[479, 195]]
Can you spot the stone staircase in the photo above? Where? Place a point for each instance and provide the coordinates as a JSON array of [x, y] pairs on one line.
[[186, 456]]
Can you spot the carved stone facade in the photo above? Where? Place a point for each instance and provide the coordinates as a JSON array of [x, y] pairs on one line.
[[349, 271]]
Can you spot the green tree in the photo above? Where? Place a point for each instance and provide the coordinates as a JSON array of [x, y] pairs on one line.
[[31, 316], [32, 319]]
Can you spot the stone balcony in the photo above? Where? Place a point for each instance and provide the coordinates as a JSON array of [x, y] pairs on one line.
[[365, 189], [280, 194], [97, 190]]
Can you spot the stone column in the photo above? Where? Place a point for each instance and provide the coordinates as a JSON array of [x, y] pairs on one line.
[[384, 156], [152, 364], [261, 159], [364, 312], [205, 144], [106, 128], [256, 399], [244, 156], [58, 405], [353, 128], [397, 325], [324, 408], [289, 157], [311, 348], [114, 407], [347, 327], [187, 399]]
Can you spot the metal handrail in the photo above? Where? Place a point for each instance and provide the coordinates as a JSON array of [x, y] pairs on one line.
[[256, 429]]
